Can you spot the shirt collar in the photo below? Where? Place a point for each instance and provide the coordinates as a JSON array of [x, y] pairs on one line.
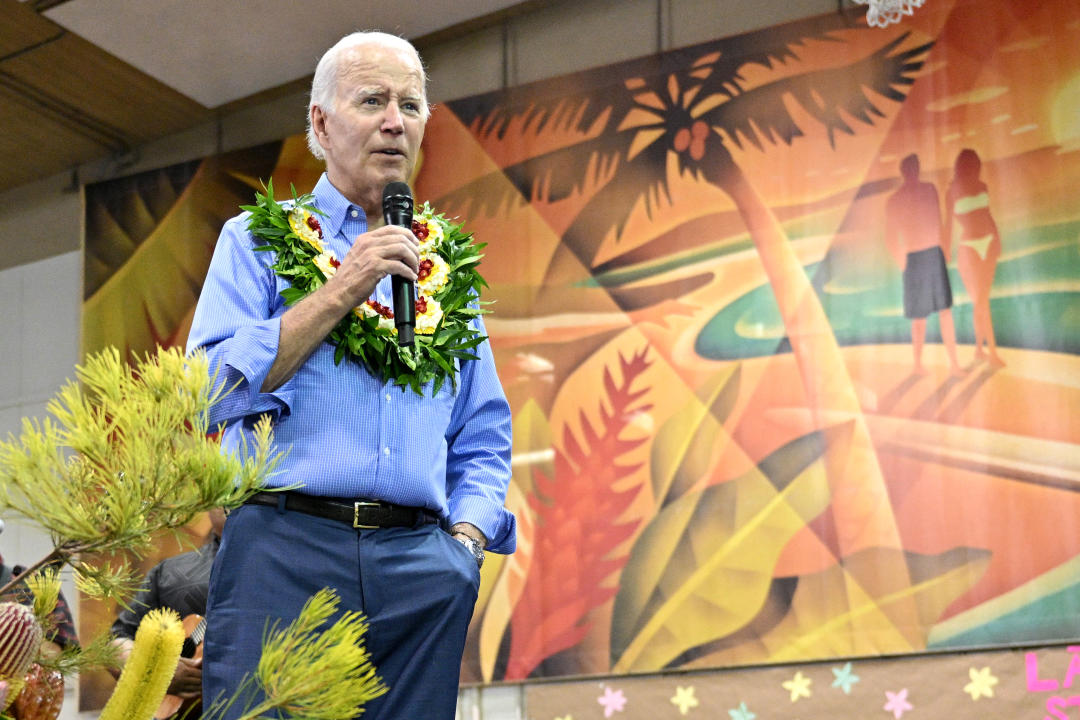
[[335, 206]]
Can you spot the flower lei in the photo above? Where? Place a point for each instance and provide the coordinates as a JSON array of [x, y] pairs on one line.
[[447, 292]]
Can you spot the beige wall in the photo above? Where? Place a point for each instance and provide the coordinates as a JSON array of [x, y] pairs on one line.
[[44, 219], [41, 223]]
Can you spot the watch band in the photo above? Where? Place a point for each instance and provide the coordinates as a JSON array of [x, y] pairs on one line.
[[473, 546]]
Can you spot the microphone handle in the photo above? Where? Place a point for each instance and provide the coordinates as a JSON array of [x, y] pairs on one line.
[[404, 308], [397, 206]]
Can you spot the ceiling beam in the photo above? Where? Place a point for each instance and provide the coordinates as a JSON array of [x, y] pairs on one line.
[[41, 6], [36, 101], [22, 28], [93, 103]]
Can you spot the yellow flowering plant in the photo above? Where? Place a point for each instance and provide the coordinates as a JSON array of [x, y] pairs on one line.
[[149, 669], [448, 292], [124, 456], [310, 669]]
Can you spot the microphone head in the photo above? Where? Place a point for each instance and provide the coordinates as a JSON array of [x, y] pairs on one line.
[[397, 204]]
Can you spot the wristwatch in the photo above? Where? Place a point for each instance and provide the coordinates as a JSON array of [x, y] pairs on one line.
[[473, 545]]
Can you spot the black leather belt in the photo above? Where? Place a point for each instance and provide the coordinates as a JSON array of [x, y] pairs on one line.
[[360, 514]]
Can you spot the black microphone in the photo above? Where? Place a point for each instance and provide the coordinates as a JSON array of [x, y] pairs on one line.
[[397, 207]]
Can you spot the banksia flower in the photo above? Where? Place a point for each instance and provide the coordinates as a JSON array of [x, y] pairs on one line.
[[20, 637], [42, 696], [149, 669]]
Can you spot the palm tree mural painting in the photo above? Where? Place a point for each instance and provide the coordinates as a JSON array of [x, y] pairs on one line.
[[679, 112]]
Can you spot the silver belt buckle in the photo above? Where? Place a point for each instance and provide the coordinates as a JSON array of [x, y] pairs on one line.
[[356, 515]]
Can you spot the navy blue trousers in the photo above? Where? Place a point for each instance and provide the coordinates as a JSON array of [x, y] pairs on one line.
[[417, 586]]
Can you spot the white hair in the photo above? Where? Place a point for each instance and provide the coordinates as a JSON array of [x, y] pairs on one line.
[[324, 84]]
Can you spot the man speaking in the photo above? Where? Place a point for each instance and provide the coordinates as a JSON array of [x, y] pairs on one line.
[[400, 491]]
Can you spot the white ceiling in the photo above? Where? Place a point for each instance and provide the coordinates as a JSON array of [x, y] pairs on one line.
[[217, 51]]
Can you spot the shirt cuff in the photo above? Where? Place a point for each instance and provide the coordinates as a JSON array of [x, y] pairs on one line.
[[496, 522], [253, 349], [242, 371]]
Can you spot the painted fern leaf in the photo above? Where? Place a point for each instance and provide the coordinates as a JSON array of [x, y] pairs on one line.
[[578, 513]]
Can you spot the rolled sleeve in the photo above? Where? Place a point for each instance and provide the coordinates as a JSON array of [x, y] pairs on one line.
[[478, 455], [237, 322]]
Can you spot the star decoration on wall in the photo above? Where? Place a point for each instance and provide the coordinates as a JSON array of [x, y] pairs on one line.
[[897, 703], [982, 683], [684, 699], [844, 678], [798, 686], [613, 701], [741, 713]]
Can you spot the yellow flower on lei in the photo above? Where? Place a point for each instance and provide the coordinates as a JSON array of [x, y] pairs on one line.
[[428, 314], [428, 232], [307, 227], [434, 274]]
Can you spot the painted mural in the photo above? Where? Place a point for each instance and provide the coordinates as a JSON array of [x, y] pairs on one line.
[[789, 323]]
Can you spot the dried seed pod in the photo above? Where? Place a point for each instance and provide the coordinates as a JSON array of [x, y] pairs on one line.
[[42, 695]]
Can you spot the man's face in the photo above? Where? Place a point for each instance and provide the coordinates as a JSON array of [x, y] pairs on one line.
[[372, 136]]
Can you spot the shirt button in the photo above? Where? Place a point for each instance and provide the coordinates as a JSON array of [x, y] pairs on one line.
[[387, 397], [386, 451], [354, 212]]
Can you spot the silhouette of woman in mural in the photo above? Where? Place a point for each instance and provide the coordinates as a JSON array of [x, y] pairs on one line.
[[914, 236], [978, 246]]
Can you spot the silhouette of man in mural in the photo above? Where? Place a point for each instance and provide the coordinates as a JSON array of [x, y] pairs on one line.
[[978, 246], [913, 233]]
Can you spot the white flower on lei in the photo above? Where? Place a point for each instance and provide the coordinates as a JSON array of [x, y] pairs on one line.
[[428, 314], [307, 227], [428, 232], [434, 274], [369, 309], [327, 263]]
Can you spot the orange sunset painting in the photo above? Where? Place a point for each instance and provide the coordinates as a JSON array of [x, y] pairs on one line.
[[729, 448]]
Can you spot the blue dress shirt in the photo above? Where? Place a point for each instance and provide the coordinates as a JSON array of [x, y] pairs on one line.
[[348, 434]]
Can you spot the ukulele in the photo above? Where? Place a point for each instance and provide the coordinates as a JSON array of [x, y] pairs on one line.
[[171, 705]]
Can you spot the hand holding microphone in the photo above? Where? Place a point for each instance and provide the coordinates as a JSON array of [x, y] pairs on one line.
[[397, 204]]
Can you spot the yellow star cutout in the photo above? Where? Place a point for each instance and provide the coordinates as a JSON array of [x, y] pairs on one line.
[[684, 699], [798, 686], [982, 683]]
